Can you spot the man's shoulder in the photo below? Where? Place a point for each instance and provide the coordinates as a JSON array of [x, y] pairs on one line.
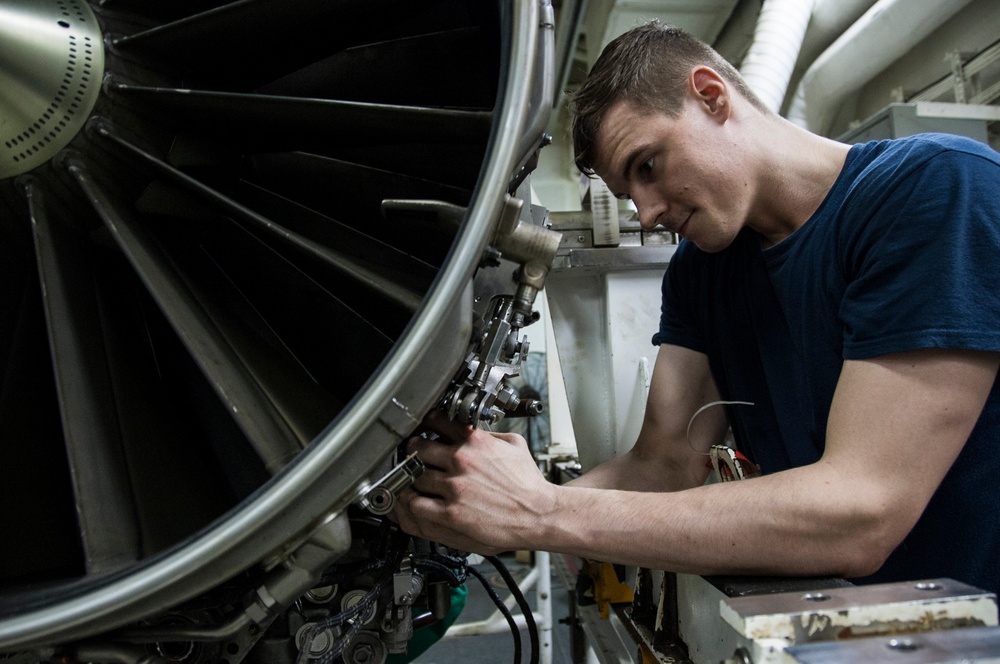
[[921, 150], [934, 143], [875, 170]]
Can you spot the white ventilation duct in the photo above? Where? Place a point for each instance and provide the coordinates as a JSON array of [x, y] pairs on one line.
[[830, 19], [883, 34], [777, 40]]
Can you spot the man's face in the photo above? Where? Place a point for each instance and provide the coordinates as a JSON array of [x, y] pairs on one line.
[[680, 172]]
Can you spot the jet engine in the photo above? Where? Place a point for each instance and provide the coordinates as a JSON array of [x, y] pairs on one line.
[[245, 246]]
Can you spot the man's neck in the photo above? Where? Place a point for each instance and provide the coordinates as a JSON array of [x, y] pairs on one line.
[[797, 171]]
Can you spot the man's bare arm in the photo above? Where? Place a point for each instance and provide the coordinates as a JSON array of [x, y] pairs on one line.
[[896, 425], [665, 457]]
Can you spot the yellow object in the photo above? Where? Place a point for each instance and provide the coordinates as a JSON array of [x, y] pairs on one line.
[[608, 589], [647, 655]]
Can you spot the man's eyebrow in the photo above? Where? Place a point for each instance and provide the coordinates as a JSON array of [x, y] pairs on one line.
[[630, 160]]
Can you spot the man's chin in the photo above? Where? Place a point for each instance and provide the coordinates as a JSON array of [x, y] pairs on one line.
[[712, 246]]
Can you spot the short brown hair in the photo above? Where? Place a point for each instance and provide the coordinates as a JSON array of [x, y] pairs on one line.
[[648, 67]]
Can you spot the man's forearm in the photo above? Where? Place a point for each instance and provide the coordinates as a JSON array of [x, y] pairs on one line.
[[734, 528]]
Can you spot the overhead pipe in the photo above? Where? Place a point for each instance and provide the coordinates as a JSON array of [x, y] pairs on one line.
[[883, 34], [777, 40], [830, 19]]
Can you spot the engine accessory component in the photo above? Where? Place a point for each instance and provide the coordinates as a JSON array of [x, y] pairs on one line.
[[479, 391], [322, 594], [730, 464], [321, 643], [353, 599]]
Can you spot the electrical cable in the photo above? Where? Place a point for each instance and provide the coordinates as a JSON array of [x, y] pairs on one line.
[[453, 569], [529, 616], [515, 632], [454, 573]]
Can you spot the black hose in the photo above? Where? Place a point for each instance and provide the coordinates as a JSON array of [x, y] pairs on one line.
[[455, 571], [515, 632], [529, 616], [455, 575]]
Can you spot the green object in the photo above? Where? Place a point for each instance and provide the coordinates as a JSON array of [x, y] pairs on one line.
[[425, 637]]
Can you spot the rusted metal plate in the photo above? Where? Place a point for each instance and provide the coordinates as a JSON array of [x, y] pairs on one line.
[[845, 613]]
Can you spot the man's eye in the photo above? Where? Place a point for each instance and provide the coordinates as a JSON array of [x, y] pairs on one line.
[[646, 167]]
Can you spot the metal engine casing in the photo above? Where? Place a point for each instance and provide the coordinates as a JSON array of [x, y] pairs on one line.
[[216, 328]]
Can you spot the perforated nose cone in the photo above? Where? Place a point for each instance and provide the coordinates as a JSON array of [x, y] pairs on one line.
[[51, 62]]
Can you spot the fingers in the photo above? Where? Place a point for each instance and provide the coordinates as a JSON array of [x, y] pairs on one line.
[[453, 433], [424, 517], [403, 515], [433, 482], [471, 478], [433, 453], [437, 421]]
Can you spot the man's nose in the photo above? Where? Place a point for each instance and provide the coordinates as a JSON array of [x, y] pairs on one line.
[[647, 220], [649, 210]]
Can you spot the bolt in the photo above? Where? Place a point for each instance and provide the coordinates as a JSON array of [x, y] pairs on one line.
[[816, 597], [362, 654], [904, 645]]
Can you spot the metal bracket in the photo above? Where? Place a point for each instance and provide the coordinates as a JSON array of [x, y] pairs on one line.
[[380, 498]]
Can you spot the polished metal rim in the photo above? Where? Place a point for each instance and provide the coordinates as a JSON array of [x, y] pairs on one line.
[[326, 476]]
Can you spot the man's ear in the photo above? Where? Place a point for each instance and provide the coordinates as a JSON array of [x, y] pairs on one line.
[[710, 89]]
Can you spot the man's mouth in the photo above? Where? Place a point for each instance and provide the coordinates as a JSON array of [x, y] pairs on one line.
[[684, 224]]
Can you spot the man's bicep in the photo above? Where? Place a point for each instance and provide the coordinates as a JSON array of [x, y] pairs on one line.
[[898, 422]]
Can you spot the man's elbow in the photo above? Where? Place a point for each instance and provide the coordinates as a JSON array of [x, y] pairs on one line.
[[869, 543], [861, 562]]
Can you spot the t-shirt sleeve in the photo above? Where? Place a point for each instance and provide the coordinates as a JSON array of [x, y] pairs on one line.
[[924, 269], [678, 325]]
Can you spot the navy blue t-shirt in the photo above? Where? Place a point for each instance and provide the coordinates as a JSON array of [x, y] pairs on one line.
[[904, 253]]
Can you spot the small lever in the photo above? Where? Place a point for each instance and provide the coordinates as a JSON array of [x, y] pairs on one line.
[[381, 496]]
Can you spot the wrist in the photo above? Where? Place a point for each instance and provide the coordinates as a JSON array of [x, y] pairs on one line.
[[560, 527]]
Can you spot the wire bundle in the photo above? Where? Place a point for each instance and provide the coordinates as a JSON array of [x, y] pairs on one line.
[[454, 570]]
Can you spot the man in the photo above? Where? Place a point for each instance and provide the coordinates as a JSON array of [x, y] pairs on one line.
[[851, 294]]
